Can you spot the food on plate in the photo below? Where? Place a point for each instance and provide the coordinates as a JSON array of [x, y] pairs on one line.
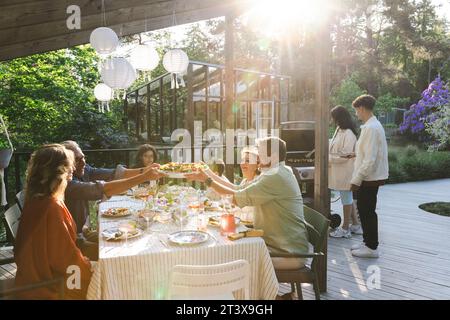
[[182, 167], [116, 212]]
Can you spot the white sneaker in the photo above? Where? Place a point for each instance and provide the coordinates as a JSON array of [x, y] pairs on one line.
[[341, 233], [357, 246], [356, 229], [365, 252]]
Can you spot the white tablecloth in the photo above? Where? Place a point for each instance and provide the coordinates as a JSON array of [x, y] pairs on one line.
[[140, 267]]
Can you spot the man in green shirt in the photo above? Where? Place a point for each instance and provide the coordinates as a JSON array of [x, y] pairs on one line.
[[278, 203]]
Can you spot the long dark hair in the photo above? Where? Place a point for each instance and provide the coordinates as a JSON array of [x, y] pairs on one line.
[[143, 149], [343, 119]]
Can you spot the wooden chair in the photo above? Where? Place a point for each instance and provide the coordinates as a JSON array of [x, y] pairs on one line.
[[20, 199], [9, 291], [210, 282], [317, 226]]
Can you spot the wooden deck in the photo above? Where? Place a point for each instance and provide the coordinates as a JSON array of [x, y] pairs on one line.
[[414, 260], [414, 249]]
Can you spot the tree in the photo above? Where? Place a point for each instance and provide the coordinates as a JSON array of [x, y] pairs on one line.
[[49, 97]]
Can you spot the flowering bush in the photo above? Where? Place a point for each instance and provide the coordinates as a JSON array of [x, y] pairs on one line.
[[426, 111], [439, 128]]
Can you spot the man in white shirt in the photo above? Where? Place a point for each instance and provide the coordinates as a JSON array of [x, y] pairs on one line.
[[370, 172]]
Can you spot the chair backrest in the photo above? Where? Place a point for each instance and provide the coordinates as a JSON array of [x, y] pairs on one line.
[[20, 199], [12, 218], [210, 282], [317, 226]]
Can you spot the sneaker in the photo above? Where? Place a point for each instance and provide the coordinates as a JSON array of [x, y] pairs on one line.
[[365, 252], [341, 233], [356, 229], [357, 246]]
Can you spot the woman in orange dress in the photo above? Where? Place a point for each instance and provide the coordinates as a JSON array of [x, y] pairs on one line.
[[45, 247]]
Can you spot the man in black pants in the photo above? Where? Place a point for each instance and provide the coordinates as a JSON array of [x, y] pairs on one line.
[[370, 172]]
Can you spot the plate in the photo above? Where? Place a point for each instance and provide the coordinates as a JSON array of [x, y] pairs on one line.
[[114, 234], [188, 237], [173, 175], [215, 221], [116, 212]]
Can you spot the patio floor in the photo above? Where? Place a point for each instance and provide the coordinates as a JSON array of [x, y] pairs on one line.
[[414, 249], [414, 260]]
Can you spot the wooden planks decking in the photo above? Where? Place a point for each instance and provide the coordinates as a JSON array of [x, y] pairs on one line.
[[414, 249]]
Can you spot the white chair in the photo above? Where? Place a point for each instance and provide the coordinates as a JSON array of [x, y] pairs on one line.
[[210, 282], [20, 199], [12, 217]]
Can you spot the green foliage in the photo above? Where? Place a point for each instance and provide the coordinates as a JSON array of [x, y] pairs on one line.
[[412, 164], [388, 102], [49, 98], [344, 93], [440, 128]]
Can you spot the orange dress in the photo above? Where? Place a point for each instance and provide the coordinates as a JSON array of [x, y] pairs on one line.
[[46, 246]]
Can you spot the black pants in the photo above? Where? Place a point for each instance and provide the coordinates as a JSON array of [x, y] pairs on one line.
[[367, 203]]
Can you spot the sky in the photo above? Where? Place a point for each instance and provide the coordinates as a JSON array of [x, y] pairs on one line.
[[445, 10]]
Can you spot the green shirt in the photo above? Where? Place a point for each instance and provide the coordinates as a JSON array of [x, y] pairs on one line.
[[278, 206]]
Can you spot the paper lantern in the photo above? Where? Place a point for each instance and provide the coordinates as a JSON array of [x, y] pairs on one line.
[[117, 73], [104, 40], [102, 92], [144, 57], [176, 61]]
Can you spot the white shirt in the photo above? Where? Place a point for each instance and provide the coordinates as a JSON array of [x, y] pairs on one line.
[[340, 170], [371, 162]]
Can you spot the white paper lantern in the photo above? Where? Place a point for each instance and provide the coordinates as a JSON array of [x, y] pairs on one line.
[[118, 73], [144, 57], [176, 61], [102, 92], [104, 40]]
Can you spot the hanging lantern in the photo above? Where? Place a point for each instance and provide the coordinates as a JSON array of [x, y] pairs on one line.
[[103, 94], [176, 61], [144, 57], [104, 40], [118, 73]]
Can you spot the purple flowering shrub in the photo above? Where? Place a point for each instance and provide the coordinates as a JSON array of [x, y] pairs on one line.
[[425, 112]]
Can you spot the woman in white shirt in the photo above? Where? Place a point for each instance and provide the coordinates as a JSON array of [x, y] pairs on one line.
[[340, 168]]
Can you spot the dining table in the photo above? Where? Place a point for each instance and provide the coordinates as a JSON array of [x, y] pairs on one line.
[[139, 266]]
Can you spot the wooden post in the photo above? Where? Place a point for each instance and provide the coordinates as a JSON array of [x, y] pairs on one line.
[[322, 80], [229, 83], [189, 118]]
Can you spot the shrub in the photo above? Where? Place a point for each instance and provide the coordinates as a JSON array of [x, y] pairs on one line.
[[411, 150], [420, 115], [392, 156]]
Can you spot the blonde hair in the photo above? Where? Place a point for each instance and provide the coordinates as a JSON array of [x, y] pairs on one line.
[[46, 169]]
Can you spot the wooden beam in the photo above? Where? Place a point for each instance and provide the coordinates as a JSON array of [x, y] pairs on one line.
[[322, 115], [228, 115], [125, 22], [90, 22]]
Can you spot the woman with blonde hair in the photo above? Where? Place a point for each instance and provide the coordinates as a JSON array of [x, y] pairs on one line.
[[45, 246]]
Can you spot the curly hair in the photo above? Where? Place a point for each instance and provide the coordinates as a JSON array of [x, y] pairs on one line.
[[138, 163], [46, 169]]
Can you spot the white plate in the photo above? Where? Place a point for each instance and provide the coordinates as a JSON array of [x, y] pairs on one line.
[[188, 237], [174, 175], [114, 234]]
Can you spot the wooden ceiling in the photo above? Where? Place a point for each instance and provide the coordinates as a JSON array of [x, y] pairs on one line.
[[32, 26]]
